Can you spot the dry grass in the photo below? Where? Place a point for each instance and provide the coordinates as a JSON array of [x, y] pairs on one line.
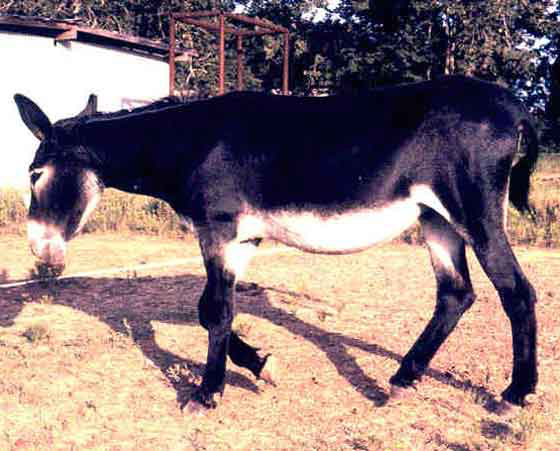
[[103, 363]]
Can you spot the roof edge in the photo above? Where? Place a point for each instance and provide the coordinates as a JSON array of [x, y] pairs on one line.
[[73, 30]]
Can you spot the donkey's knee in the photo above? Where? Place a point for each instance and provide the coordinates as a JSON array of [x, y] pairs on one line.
[[453, 303], [518, 297], [213, 308]]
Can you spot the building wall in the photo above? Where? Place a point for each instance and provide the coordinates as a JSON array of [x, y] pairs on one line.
[[59, 78]]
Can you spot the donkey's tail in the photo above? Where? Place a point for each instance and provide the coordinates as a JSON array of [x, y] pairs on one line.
[[521, 172]]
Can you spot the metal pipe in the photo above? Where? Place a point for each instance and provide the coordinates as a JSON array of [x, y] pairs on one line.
[[258, 22], [171, 56], [196, 14], [240, 83], [222, 56], [286, 65], [209, 26]]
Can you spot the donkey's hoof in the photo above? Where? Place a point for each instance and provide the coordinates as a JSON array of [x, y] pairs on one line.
[[201, 402], [518, 397], [269, 369], [196, 409]]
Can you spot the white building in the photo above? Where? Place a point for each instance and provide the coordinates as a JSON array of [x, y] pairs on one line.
[[58, 65]]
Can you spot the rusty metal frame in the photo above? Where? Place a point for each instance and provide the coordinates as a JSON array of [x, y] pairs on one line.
[[203, 19]]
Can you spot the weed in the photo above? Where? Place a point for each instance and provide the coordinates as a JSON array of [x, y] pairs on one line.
[[36, 333], [181, 373], [46, 299], [45, 271]]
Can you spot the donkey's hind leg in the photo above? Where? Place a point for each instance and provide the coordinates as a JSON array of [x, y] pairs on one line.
[[454, 296], [518, 300]]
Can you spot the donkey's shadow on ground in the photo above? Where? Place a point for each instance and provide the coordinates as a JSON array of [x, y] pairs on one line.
[[129, 305]]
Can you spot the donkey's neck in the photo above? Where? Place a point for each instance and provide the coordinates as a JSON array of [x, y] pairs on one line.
[[138, 154]]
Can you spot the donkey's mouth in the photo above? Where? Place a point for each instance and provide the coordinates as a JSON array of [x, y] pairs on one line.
[[49, 247]]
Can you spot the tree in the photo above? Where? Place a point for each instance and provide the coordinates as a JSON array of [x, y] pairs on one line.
[[361, 43], [411, 40]]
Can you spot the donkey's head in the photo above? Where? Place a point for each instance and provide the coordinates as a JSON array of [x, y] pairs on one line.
[[65, 187]]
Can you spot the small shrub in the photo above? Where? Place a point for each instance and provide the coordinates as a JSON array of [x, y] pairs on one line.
[[45, 271], [36, 333]]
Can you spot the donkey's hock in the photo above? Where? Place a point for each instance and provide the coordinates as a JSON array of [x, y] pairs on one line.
[[325, 175]]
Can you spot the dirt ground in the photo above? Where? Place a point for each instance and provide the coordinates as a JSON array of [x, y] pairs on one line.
[[106, 360]]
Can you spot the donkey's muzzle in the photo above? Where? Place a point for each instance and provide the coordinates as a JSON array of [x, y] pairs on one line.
[[51, 253], [46, 243]]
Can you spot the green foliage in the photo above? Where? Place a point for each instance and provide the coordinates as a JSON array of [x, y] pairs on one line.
[[13, 211], [119, 211], [360, 43]]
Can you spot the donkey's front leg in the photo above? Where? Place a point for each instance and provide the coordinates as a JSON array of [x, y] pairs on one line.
[[225, 257], [219, 311]]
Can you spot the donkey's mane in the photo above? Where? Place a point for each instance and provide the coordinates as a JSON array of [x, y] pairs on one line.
[[163, 103]]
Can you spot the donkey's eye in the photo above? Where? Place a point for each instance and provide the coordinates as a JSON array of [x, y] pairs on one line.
[[35, 175]]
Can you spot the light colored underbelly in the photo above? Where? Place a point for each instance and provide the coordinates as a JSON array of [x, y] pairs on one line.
[[347, 232]]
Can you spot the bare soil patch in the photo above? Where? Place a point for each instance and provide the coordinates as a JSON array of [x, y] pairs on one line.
[[104, 362]]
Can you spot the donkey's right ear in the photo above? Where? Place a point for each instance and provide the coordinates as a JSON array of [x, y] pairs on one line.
[[33, 117], [91, 107]]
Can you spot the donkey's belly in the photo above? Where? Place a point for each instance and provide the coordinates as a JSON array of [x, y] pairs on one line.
[[345, 232], [342, 233]]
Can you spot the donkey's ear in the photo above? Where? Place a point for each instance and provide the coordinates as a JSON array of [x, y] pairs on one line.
[[91, 107], [33, 117]]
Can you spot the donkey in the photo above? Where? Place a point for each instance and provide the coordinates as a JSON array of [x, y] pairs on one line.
[[327, 175]]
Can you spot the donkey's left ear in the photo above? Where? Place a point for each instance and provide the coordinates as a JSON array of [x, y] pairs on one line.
[[33, 117], [91, 107]]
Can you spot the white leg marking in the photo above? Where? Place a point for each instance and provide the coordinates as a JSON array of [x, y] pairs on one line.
[[237, 256], [250, 226], [441, 253], [505, 207]]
